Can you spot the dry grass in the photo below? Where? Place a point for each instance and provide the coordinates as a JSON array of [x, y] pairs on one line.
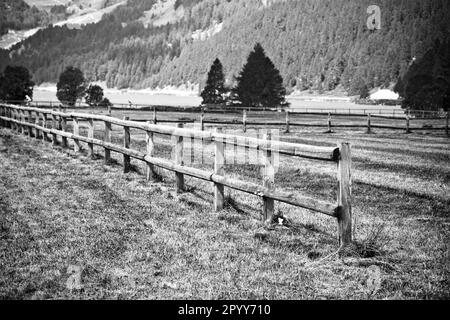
[[139, 240]]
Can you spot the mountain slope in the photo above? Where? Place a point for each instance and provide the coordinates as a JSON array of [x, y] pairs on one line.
[[315, 44]]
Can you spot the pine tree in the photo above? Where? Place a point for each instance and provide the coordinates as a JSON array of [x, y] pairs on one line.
[[215, 85], [259, 83]]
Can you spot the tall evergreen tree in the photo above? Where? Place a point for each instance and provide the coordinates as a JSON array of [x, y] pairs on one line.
[[427, 81], [215, 85], [259, 83]]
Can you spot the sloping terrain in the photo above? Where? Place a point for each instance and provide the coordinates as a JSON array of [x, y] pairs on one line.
[[130, 238]]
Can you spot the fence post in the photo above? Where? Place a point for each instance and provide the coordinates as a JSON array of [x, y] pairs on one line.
[[268, 179], [54, 136], [36, 122], [369, 129], [91, 136], [7, 115], [155, 120], [22, 119], [44, 125], [178, 155], [287, 121], [244, 120], [76, 132], [30, 128], [3, 114], [329, 123], [151, 173], [126, 144], [59, 118], [201, 121], [63, 129], [109, 109], [407, 124], [107, 139], [446, 123], [17, 117], [344, 214], [218, 169]]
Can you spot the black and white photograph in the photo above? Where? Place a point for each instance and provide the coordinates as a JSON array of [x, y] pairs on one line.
[[245, 152]]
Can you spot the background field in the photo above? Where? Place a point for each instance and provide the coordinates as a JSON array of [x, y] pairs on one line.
[[135, 239]]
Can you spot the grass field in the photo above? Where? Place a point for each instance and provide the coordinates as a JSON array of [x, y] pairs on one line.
[[134, 239]]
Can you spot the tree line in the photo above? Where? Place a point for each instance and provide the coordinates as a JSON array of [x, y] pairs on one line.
[[16, 85], [316, 45], [259, 84]]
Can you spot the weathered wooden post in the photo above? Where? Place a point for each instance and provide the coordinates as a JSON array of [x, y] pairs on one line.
[[244, 120], [76, 132], [344, 214], [369, 129], [155, 120], [446, 123], [407, 124], [22, 120], [63, 129], [5, 114], [27, 119], [30, 118], [16, 117], [329, 123], [202, 116], [268, 178], [178, 157], [91, 136], [44, 125], [59, 118], [36, 122], [126, 144], [107, 139], [219, 170], [2, 114], [9, 116], [287, 121], [54, 136], [151, 173]]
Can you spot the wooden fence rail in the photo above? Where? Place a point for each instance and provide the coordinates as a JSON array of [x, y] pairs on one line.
[[329, 121], [13, 117]]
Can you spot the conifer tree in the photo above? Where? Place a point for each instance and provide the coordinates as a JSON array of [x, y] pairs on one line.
[[259, 83], [215, 85]]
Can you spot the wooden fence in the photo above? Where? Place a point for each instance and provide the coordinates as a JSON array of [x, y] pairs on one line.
[[48, 125], [330, 121]]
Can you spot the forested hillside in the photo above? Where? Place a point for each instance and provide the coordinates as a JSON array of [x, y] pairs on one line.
[[315, 44], [18, 15]]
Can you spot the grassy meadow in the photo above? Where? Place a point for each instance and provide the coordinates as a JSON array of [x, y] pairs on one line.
[[134, 239]]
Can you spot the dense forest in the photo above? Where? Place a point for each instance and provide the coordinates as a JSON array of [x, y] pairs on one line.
[[18, 15], [316, 45]]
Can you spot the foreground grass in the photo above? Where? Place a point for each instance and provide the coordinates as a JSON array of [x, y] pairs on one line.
[[138, 240]]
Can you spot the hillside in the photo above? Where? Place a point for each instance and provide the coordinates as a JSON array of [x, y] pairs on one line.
[[18, 15], [315, 45]]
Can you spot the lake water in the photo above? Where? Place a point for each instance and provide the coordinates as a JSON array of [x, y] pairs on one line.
[[138, 98]]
